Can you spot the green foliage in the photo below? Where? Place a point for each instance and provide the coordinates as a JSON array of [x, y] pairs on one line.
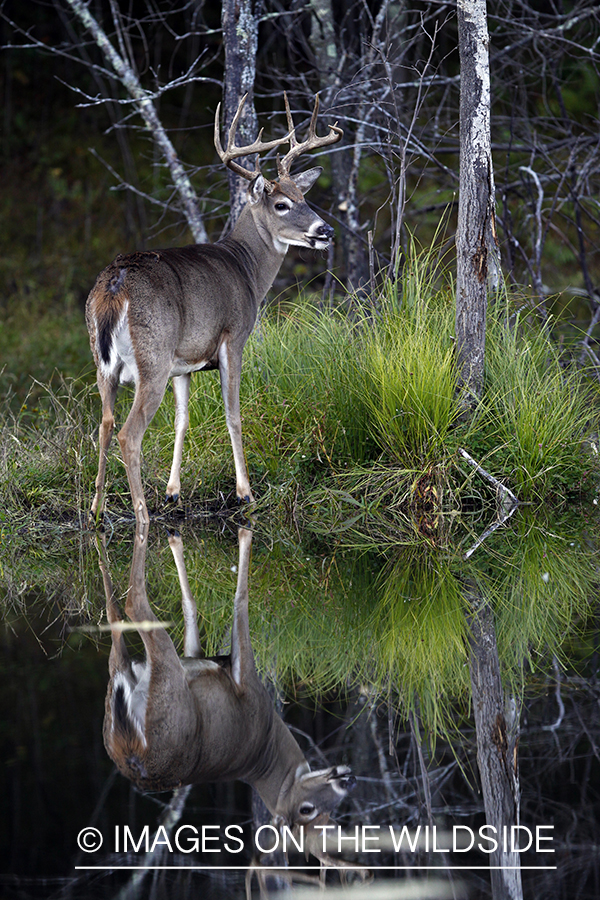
[[537, 413], [421, 635], [409, 369]]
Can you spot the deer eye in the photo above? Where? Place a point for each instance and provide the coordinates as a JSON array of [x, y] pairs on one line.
[[281, 207], [306, 809]]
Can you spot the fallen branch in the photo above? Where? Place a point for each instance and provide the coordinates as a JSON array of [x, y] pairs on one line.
[[507, 501]]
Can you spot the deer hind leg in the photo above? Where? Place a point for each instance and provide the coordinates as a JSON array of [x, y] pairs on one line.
[[191, 639], [181, 392], [119, 656], [148, 397], [159, 647], [143, 698], [107, 386], [230, 370]]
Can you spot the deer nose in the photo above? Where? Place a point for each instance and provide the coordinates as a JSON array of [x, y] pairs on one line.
[[324, 231], [343, 776]]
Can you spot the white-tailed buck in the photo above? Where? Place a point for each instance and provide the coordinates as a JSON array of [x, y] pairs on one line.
[[167, 313], [172, 721]]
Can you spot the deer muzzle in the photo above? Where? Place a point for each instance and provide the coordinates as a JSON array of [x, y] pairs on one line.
[[321, 236], [342, 776]]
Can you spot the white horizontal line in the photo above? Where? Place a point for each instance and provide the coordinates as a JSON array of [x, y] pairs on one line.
[[374, 869]]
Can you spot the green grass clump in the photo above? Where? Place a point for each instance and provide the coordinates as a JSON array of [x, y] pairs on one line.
[[421, 635], [541, 581], [537, 415], [409, 368]]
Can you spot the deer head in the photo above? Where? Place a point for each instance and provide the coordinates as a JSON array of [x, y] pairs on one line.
[[282, 199]]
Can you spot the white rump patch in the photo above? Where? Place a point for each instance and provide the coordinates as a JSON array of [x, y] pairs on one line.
[[121, 352], [135, 686]]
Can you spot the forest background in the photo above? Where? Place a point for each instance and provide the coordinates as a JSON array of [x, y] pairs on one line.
[[84, 180]]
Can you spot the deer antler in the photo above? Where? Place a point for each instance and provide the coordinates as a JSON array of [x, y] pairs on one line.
[[314, 844], [312, 140], [232, 152]]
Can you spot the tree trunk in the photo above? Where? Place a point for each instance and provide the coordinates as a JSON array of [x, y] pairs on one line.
[[239, 19], [497, 728], [476, 242]]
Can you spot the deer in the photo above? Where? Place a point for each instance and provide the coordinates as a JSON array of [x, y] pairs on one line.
[[160, 314], [172, 721]]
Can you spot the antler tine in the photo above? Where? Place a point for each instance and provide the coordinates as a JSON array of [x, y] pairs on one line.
[[290, 121], [312, 140], [232, 152]]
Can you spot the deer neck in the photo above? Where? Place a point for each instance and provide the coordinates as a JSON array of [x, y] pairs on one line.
[[259, 244], [283, 763]]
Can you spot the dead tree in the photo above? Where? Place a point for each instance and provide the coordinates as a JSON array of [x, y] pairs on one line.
[[477, 263], [497, 728]]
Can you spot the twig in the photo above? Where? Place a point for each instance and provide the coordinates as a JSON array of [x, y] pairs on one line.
[[509, 500], [169, 819], [559, 700]]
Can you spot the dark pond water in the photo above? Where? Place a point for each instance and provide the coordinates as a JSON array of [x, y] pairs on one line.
[[364, 652]]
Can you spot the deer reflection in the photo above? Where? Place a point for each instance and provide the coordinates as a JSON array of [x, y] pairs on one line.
[[172, 721]]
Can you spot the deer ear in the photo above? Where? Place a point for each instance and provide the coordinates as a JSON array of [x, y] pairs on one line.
[[257, 187], [305, 180]]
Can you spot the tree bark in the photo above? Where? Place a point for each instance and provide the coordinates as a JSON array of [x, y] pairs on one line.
[[497, 729], [476, 242], [239, 19]]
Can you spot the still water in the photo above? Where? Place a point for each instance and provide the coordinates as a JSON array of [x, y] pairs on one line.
[[360, 727]]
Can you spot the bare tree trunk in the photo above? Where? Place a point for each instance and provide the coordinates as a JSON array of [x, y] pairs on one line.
[[476, 242], [239, 19], [147, 110], [497, 728]]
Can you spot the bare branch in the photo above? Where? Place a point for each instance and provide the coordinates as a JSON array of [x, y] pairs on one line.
[[145, 106]]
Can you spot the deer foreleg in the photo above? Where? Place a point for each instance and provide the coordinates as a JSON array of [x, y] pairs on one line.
[[108, 392], [191, 639], [230, 370], [181, 393]]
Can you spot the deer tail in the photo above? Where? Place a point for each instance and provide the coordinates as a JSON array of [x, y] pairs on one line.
[[106, 307]]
